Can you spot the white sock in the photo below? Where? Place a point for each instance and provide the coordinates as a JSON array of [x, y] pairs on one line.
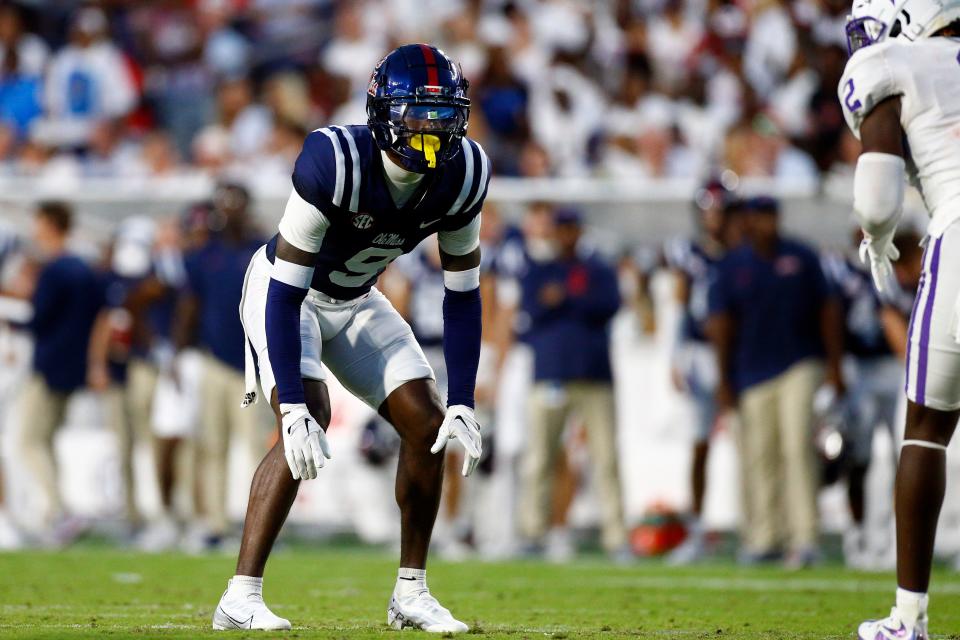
[[411, 581], [246, 584], [911, 606]]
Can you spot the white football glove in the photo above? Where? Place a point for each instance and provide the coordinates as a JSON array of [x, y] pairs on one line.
[[878, 251], [460, 424], [304, 442]]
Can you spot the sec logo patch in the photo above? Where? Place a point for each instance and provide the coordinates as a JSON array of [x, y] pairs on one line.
[[362, 221]]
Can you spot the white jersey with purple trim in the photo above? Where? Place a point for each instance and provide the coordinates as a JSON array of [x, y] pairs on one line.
[[925, 74]]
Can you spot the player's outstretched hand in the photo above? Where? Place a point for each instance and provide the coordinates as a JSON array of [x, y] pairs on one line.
[[878, 251], [304, 442], [462, 425]]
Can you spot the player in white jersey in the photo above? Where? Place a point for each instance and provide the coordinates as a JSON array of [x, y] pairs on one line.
[[901, 96]]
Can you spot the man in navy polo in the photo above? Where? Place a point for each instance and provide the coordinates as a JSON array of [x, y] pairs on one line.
[[67, 298], [207, 315], [570, 300], [775, 323]]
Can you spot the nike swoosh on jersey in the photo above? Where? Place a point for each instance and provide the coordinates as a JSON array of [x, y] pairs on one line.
[[424, 225]]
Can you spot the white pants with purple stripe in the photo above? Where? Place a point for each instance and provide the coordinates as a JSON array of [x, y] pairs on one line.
[[933, 352]]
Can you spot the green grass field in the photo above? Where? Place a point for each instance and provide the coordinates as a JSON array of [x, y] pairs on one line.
[[343, 594]]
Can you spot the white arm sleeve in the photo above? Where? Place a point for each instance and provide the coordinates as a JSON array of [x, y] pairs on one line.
[[461, 241], [303, 225], [878, 191]]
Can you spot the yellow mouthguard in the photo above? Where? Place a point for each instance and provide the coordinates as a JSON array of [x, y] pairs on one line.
[[429, 145]]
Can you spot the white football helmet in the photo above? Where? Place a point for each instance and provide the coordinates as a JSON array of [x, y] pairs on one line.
[[873, 21]]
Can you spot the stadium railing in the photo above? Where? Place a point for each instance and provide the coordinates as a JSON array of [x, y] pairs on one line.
[[626, 211]]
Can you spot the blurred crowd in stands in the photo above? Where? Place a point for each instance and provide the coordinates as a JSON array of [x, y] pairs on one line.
[[624, 88]]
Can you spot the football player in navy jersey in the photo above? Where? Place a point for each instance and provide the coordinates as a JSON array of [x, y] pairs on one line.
[[694, 369], [873, 396], [362, 196]]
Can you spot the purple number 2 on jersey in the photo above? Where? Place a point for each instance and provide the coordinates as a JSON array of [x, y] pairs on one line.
[[852, 104]]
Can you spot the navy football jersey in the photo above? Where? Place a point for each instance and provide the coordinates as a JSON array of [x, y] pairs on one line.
[[863, 331], [426, 294], [696, 263], [509, 258], [340, 172]]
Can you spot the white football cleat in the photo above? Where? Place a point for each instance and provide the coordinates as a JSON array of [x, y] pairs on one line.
[[422, 611], [892, 628], [246, 610]]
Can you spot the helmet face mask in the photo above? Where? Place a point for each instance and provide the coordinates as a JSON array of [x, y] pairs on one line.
[[863, 32], [871, 22], [417, 107], [874, 21], [423, 136]]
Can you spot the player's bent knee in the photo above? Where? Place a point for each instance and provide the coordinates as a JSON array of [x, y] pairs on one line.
[[421, 428], [416, 412]]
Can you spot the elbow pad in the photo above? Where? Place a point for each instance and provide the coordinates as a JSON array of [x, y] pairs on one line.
[[878, 191]]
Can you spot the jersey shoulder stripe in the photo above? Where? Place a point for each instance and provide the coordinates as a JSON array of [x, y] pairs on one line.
[[329, 171], [481, 188], [355, 169], [340, 165], [468, 171]]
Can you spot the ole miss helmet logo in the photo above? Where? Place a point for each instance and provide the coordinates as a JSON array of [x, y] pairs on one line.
[[362, 221]]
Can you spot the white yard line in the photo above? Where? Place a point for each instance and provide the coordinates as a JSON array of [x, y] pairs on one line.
[[785, 584]]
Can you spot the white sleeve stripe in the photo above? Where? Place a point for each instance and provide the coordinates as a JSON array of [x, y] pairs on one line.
[[302, 224], [341, 171], [295, 275], [484, 167], [461, 241], [355, 161], [467, 152], [462, 280]]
